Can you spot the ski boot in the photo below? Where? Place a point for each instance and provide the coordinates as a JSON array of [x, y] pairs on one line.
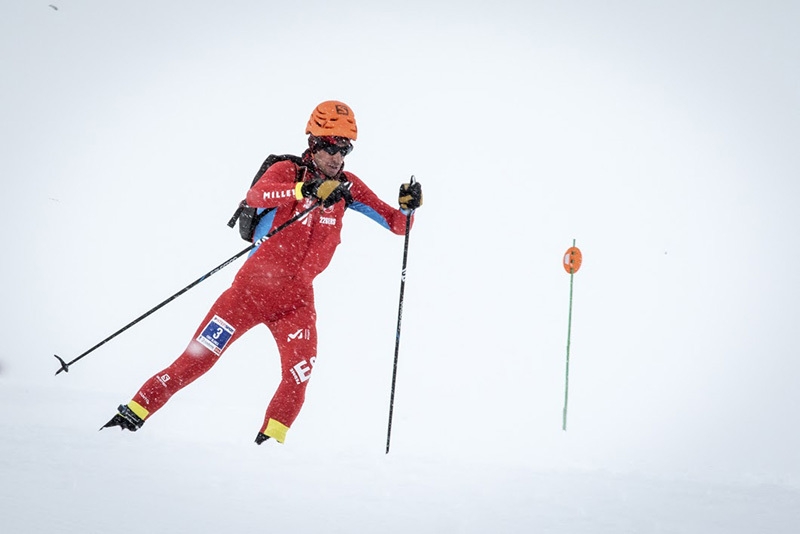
[[125, 420]]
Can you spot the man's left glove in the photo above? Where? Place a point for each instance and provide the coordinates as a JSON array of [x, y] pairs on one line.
[[328, 191], [410, 197]]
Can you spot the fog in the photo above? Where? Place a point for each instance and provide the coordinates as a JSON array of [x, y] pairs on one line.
[[661, 138]]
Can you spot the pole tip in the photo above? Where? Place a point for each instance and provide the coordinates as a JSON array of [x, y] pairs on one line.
[[64, 366]]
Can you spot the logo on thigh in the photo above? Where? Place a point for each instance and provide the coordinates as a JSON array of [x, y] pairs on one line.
[[303, 333], [302, 371]]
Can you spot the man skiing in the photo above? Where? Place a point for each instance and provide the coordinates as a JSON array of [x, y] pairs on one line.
[[275, 285]]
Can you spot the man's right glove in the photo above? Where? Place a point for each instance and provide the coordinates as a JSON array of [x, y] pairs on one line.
[[410, 196], [328, 191]]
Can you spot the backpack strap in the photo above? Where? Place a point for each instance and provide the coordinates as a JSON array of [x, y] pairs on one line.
[[249, 217], [272, 159]]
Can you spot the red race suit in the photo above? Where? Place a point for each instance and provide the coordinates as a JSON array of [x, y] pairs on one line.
[[273, 287]]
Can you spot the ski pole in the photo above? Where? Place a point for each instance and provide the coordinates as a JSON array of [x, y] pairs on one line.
[[399, 321], [65, 365]]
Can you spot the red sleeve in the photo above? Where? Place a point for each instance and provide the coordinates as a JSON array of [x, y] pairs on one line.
[[275, 187], [368, 203]]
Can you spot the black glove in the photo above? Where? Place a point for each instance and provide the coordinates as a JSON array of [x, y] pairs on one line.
[[309, 188], [410, 197], [328, 191]]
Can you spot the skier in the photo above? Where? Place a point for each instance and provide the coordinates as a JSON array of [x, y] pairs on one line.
[[275, 284]]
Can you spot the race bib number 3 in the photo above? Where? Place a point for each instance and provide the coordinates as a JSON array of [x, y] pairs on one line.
[[216, 335]]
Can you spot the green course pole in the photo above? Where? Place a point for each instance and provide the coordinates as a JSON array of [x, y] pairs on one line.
[[572, 262]]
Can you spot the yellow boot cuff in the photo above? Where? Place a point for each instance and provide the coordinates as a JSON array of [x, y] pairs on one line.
[[138, 409], [276, 430]]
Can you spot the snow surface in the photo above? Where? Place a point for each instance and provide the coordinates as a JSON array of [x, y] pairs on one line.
[[61, 476], [662, 136]]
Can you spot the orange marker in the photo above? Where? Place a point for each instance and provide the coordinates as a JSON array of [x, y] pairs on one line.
[[573, 259]]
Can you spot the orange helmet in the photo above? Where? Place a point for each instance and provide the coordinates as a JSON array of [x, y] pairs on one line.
[[333, 118]]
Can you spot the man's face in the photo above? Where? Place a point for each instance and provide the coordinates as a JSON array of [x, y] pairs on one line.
[[329, 153], [329, 164]]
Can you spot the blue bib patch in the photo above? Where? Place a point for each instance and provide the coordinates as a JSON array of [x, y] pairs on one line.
[[216, 335]]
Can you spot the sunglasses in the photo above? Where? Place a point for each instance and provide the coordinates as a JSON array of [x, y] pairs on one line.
[[333, 148]]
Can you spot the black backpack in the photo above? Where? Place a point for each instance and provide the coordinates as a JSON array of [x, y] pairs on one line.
[[247, 216]]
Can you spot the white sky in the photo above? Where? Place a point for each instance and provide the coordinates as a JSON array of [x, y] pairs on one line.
[[661, 136]]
